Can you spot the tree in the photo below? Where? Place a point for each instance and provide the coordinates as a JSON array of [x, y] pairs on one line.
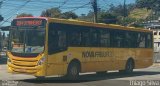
[[119, 10], [53, 12], [24, 15], [105, 17], [68, 15], [153, 5], [116, 10], [56, 13], [87, 17], [126, 21], [149, 4]]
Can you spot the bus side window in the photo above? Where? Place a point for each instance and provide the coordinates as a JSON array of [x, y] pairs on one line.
[[105, 39], [141, 40], [56, 40], [62, 40], [119, 39], [128, 40], [52, 37], [85, 42], [74, 38], [148, 41], [94, 36], [134, 37]]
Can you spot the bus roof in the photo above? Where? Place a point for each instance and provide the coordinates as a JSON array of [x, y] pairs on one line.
[[32, 18], [102, 25], [84, 23]]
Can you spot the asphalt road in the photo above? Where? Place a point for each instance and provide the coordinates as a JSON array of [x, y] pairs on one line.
[[141, 77]]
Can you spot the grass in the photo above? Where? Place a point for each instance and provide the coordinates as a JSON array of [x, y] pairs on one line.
[[140, 13]]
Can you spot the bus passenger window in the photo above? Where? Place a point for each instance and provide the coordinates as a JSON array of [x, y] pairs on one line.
[[94, 38], [52, 38], [105, 39], [75, 38], [141, 41], [149, 41], [119, 39], [86, 39], [56, 41], [61, 39]]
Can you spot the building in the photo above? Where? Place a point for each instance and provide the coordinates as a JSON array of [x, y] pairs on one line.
[[155, 27], [3, 37]]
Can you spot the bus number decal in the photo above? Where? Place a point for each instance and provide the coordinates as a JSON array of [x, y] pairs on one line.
[[86, 54]]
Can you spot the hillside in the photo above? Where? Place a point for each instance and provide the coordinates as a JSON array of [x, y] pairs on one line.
[[140, 13]]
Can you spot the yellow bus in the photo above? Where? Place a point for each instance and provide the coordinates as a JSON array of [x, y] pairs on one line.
[[47, 46]]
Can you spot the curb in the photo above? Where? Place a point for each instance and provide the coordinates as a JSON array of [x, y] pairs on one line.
[[156, 65]]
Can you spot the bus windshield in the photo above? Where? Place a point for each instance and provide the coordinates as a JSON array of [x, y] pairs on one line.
[[27, 39]]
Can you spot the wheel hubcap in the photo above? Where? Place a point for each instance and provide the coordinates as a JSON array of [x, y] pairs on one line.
[[129, 67], [74, 71]]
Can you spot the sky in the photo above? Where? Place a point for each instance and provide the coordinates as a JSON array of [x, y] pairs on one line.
[[10, 8]]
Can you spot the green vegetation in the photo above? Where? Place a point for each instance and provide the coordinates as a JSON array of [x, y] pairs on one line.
[[140, 13], [24, 15], [56, 13], [132, 15]]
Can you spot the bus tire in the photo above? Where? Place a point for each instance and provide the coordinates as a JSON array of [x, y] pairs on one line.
[[73, 71], [129, 67]]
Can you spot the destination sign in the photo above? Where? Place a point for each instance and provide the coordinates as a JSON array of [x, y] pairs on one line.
[[28, 22]]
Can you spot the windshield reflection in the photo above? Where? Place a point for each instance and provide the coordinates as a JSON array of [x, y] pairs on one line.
[[27, 39]]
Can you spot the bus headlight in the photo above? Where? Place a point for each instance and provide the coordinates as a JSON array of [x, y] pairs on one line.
[[41, 61]]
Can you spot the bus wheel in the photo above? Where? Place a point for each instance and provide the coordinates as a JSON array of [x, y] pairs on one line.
[[73, 71], [129, 67]]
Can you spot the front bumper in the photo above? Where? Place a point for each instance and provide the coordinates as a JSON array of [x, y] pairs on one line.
[[20, 69]]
